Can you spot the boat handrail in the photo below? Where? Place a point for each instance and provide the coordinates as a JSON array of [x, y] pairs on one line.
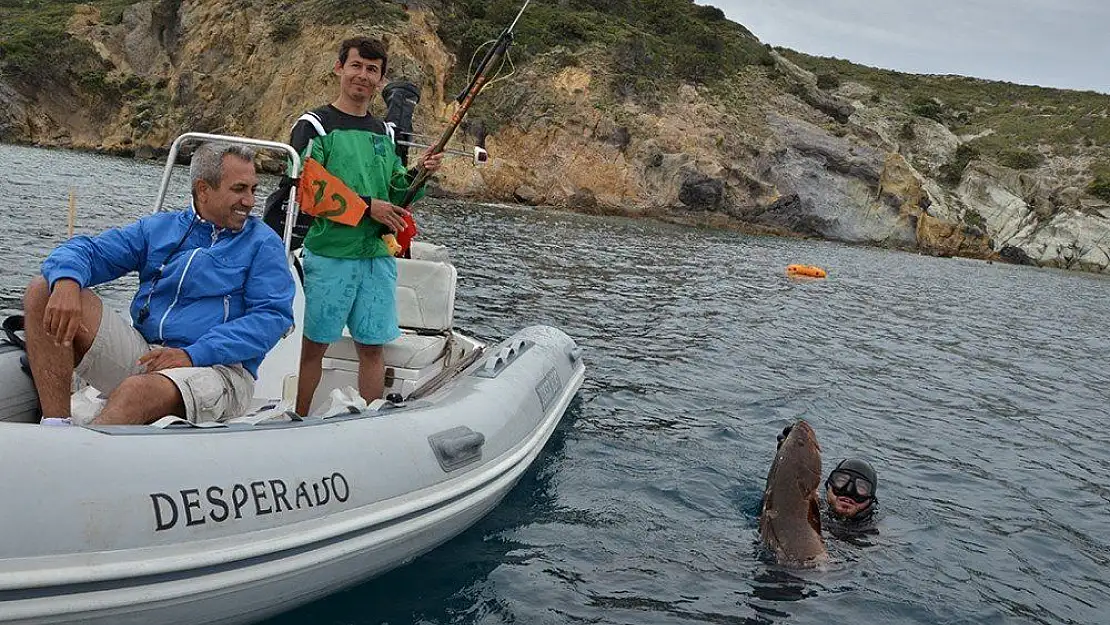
[[295, 172]]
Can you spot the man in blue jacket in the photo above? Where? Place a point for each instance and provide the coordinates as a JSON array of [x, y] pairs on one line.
[[215, 294]]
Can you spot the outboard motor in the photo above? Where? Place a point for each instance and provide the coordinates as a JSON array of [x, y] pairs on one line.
[[18, 399], [401, 98]]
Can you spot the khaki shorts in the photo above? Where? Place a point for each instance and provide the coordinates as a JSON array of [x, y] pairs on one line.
[[215, 393]]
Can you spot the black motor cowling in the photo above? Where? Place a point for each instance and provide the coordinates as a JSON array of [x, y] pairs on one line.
[[401, 98]]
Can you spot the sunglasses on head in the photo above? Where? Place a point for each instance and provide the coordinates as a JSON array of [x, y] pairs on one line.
[[855, 487]]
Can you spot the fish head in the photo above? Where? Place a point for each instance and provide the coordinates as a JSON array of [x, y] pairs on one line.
[[802, 453]]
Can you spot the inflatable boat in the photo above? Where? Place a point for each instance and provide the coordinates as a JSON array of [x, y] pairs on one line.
[[236, 522]]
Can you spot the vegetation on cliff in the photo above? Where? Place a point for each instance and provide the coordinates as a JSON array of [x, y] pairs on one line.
[[1016, 125], [652, 44], [36, 50], [287, 18]]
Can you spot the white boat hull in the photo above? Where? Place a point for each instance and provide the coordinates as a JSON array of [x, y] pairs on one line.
[[233, 525]]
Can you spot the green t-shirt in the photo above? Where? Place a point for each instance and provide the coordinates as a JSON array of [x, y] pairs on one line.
[[360, 152]]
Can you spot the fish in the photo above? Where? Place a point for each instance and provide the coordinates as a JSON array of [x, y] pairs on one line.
[[790, 521]]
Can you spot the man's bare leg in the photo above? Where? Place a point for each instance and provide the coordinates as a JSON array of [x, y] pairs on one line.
[[371, 371], [52, 363], [142, 399], [312, 365]]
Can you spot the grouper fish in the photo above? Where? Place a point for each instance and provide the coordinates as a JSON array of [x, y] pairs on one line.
[[790, 522]]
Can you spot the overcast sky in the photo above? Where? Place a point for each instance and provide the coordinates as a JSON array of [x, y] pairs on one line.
[[1052, 43]]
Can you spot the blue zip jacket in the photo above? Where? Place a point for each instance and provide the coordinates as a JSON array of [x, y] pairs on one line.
[[224, 297]]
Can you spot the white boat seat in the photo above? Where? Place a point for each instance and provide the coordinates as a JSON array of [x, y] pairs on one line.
[[410, 351], [414, 351], [425, 295], [419, 250]]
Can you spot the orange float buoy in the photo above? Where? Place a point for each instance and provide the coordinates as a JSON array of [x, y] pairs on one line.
[[805, 271]]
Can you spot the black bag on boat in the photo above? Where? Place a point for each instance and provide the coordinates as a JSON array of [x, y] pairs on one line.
[[274, 214], [401, 98]]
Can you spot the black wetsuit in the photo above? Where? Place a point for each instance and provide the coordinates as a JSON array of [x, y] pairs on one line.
[[855, 530]]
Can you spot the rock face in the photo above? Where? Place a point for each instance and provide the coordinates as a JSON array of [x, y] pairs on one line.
[[701, 191], [771, 151], [1032, 224], [837, 183], [13, 114]]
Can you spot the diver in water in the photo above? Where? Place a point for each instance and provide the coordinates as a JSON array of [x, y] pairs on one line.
[[849, 507], [850, 501]]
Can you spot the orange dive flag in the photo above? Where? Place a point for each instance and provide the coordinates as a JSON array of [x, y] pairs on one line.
[[323, 195]]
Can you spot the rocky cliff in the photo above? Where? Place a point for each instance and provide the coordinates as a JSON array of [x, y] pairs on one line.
[[768, 149]]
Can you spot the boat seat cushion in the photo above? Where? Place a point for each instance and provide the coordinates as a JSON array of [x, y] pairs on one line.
[[421, 250], [425, 295], [414, 351], [410, 351]]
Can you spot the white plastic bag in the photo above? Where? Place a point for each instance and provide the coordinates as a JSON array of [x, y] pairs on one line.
[[84, 405], [342, 400]]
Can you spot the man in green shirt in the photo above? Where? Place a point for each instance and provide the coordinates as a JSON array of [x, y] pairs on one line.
[[350, 277]]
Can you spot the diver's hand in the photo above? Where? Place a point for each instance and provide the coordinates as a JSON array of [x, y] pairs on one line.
[[162, 358], [385, 213], [63, 316], [783, 434]]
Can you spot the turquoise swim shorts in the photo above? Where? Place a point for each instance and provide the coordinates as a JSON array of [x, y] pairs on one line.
[[360, 293]]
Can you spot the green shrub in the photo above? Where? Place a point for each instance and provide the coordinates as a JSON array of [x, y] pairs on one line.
[[96, 81], [973, 218], [133, 85], [828, 81], [1020, 159], [953, 171], [637, 70], [1100, 187], [284, 27], [907, 131], [709, 13], [765, 59], [929, 108], [565, 58]]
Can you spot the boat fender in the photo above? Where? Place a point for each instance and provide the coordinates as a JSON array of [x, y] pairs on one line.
[[457, 447]]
